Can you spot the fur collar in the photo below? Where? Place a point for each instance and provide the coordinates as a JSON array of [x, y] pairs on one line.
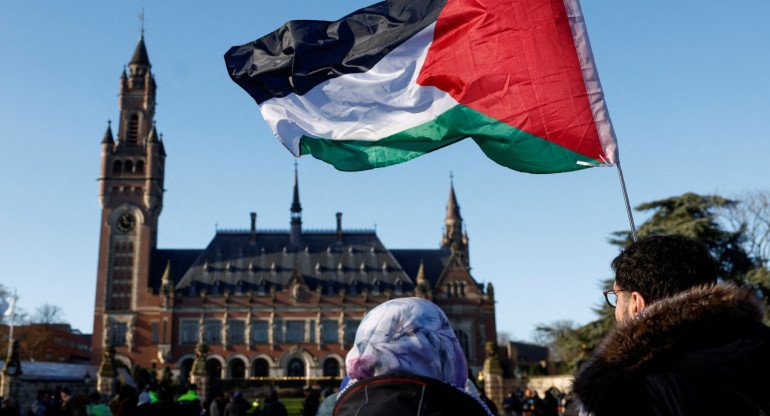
[[704, 316]]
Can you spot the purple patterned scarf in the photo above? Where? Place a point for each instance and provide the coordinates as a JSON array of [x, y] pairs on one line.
[[410, 335]]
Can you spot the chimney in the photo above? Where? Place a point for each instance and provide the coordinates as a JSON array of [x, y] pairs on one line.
[[253, 228], [339, 227]]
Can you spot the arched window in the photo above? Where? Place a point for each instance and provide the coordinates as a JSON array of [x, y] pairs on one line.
[[133, 128], [331, 368], [139, 168], [129, 167], [296, 368], [214, 369], [260, 368], [185, 369], [237, 369], [464, 341], [117, 167]]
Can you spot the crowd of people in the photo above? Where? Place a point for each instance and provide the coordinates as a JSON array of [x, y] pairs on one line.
[[685, 344], [154, 400]]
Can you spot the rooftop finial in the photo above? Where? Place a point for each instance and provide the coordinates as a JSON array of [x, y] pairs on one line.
[[141, 19]]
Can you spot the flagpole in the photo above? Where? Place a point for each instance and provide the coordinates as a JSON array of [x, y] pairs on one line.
[[625, 197]]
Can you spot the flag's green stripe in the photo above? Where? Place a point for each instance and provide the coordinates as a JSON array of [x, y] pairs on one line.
[[502, 143]]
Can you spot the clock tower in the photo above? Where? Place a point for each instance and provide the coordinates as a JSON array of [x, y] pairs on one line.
[[131, 197]]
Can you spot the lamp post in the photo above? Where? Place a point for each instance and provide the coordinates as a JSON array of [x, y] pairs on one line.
[[87, 382]]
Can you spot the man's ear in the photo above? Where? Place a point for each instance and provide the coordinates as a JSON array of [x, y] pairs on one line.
[[638, 304]]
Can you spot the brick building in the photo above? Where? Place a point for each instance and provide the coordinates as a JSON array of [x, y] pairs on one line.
[[266, 303], [49, 342]]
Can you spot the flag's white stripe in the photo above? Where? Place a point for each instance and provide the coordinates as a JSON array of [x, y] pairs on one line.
[[366, 106], [591, 79]]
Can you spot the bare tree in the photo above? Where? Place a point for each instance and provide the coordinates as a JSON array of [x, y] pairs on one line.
[[753, 215], [503, 338], [48, 314], [20, 316]]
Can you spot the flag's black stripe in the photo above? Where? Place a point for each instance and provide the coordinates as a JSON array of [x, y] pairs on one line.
[[304, 53]]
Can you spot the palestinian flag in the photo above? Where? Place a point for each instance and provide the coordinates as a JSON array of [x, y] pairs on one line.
[[401, 78]]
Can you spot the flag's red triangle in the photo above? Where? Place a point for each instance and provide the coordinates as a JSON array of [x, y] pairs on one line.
[[515, 61]]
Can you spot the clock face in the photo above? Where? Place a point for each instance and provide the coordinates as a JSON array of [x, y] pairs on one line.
[[126, 222]]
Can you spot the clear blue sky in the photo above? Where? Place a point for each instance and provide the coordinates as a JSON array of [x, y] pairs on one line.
[[687, 84]]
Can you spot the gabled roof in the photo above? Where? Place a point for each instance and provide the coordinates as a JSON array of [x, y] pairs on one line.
[[180, 260], [232, 262], [433, 260]]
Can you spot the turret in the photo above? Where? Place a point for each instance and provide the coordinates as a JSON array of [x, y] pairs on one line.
[[295, 235], [454, 237]]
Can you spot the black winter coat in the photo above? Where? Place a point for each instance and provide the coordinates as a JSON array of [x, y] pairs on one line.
[[701, 352], [406, 395]]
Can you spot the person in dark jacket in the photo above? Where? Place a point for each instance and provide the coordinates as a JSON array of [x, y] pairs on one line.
[[684, 344], [273, 407], [124, 402], [311, 402], [40, 406], [238, 406], [144, 406], [407, 361]]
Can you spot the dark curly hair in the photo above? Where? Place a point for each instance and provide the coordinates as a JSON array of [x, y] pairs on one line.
[[661, 266]]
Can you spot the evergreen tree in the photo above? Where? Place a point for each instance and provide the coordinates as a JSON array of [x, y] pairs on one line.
[[689, 215], [696, 217]]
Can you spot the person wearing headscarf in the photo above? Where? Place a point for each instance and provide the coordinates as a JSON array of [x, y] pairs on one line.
[[406, 360]]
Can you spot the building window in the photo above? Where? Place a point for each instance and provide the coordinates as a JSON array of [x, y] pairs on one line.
[[237, 369], [259, 332], [330, 332], [184, 368], [277, 332], [260, 368], [189, 332], [139, 168], [235, 333], [155, 333], [117, 167], [351, 327], [213, 333], [296, 368], [464, 341], [331, 368], [118, 334], [295, 331], [129, 167], [133, 128], [312, 331]]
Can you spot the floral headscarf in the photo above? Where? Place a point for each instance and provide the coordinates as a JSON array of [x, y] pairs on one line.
[[410, 335]]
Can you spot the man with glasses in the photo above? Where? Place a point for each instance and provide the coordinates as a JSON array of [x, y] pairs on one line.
[[684, 344]]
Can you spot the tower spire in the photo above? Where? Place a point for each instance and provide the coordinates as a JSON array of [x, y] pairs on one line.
[[296, 208], [453, 236], [140, 61], [108, 134], [296, 213]]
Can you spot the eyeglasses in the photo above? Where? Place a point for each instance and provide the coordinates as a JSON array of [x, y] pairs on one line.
[[612, 297]]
